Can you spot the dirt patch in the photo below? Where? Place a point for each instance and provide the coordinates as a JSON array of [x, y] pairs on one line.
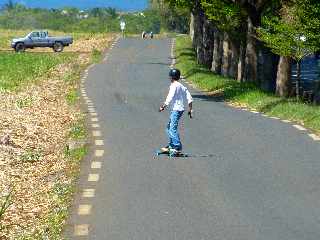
[[33, 136]]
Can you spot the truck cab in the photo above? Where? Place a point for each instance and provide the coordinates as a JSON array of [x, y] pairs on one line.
[[37, 39], [41, 39]]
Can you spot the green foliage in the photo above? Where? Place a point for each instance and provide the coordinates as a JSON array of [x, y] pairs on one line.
[[31, 156], [243, 93], [77, 154], [96, 56], [173, 18], [148, 21], [78, 131], [294, 32], [96, 20], [24, 102], [308, 12], [190, 4], [5, 203], [72, 97], [226, 15]]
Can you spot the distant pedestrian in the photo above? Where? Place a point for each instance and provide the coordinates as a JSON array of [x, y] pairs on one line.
[[177, 98]]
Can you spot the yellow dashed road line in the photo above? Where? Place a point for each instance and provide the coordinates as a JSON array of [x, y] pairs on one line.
[[96, 165], [88, 193], [84, 209], [96, 133], [99, 142], [93, 177], [81, 230], [94, 120], [99, 153]]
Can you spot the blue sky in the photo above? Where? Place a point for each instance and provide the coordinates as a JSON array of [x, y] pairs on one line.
[[83, 4]]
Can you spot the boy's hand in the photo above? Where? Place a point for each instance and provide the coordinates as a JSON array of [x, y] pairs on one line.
[[190, 113], [162, 108]]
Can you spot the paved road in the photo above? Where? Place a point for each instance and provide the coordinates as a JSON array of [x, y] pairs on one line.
[[251, 178]]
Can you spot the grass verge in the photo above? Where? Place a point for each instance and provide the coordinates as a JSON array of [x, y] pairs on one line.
[[17, 70], [243, 94]]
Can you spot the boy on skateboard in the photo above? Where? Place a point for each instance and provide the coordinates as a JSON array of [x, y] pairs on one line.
[[177, 97]]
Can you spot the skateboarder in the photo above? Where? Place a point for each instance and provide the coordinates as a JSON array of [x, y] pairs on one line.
[[177, 98]]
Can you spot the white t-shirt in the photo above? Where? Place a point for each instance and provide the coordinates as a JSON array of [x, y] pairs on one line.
[[178, 96], [122, 25]]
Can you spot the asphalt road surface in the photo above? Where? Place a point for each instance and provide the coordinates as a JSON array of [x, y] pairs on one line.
[[249, 177]]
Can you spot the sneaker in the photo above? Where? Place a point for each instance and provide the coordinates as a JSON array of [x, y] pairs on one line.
[[165, 149], [174, 152]]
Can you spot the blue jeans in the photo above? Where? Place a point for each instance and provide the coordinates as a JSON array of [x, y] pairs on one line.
[[172, 130]]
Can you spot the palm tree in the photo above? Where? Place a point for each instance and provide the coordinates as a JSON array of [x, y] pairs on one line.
[[112, 12], [9, 5]]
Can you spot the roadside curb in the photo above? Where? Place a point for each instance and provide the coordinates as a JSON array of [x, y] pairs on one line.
[[88, 192]]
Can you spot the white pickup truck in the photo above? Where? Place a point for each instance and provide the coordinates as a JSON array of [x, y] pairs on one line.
[[40, 39]]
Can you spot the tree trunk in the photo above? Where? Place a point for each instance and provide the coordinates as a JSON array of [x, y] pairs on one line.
[[198, 22], [241, 63], [234, 58], [267, 69], [251, 59], [208, 36], [216, 59], [225, 55], [192, 27], [283, 77], [298, 81]]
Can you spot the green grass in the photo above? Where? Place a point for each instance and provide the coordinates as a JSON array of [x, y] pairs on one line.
[[96, 56], [78, 130], [17, 70], [72, 97], [243, 93], [31, 156]]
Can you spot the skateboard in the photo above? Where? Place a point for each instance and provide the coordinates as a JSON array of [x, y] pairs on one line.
[[171, 154]]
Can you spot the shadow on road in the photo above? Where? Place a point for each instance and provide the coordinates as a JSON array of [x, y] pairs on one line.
[[187, 155], [208, 98]]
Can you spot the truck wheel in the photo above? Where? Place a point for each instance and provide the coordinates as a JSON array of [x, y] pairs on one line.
[[20, 47], [58, 47]]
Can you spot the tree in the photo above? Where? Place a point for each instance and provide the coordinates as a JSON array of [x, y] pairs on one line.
[[293, 33], [173, 18], [112, 12], [226, 15], [228, 18], [9, 5]]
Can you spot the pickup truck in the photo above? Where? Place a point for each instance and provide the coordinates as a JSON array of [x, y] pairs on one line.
[[40, 39]]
